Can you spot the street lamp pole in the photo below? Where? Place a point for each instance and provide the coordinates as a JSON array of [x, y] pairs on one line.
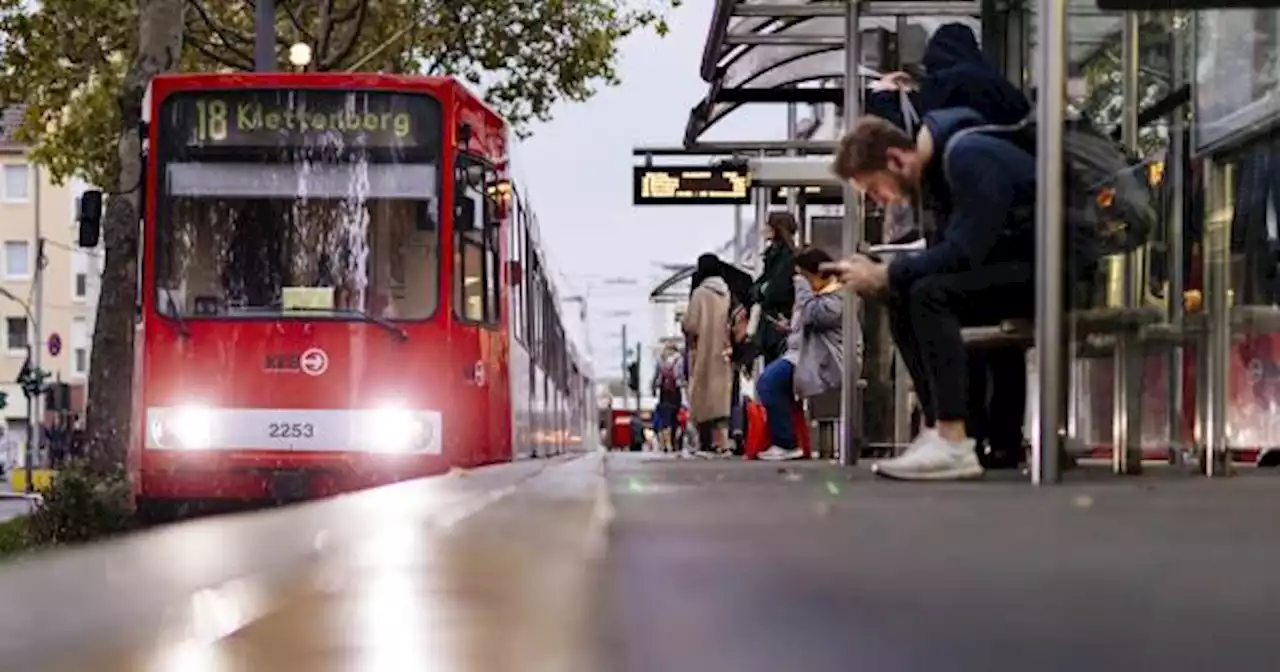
[[264, 30], [35, 348], [625, 379]]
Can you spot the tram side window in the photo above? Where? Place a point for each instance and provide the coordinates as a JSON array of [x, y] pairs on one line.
[[535, 305], [525, 316], [476, 288], [517, 257], [493, 284]]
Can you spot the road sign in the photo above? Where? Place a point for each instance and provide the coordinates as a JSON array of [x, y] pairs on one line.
[[55, 345]]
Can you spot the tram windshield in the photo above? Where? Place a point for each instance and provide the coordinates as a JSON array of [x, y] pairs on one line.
[[298, 203]]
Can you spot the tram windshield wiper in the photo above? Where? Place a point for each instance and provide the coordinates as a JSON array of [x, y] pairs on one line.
[[383, 322], [176, 312]]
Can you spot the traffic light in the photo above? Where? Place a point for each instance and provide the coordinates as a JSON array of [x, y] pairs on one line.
[[633, 377]]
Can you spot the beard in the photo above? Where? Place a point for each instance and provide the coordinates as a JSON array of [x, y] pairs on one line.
[[907, 187]]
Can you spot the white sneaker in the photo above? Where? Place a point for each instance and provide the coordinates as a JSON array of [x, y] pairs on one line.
[[780, 454], [926, 435], [934, 459]]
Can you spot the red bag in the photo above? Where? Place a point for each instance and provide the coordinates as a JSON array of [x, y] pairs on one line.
[[757, 436]]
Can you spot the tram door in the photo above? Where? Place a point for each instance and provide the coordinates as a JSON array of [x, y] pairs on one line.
[[476, 314]]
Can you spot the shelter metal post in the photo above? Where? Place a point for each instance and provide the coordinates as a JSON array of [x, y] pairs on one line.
[[624, 367], [1130, 364], [761, 198], [1219, 190], [793, 194], [1175, 172], [851, 394], [1051, 77], [737, 235]]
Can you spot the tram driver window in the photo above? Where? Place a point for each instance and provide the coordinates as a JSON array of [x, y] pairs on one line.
[[245, 240]]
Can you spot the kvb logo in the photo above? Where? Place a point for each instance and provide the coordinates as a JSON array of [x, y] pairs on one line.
[[314, 362]]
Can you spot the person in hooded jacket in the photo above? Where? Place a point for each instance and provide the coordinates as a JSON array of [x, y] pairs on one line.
[[979, 271], [957, 75]]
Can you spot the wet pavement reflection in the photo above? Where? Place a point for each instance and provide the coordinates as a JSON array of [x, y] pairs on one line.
[[504, 588]]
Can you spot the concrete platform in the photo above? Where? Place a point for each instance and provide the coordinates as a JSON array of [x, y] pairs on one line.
[[491, 570], [746, 567], [631, 563]]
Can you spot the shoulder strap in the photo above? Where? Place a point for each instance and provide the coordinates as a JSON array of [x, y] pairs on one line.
[[910, 118], [985, 128]]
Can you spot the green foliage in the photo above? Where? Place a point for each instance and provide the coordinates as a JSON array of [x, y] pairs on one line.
[[81, 505], [1103, 75], [14, 537], [67, 58]]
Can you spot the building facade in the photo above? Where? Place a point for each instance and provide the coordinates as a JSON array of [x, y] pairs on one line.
[[68, 300]]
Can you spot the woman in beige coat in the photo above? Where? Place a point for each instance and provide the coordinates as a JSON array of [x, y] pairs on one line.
[[706, 328]]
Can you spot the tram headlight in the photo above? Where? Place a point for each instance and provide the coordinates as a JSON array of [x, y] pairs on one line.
[[187, 428], [396, 430]]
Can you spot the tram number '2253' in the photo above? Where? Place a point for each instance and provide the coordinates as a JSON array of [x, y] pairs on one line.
[[291, 430]]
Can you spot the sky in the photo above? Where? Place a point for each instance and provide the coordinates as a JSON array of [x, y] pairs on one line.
[[577, 170]]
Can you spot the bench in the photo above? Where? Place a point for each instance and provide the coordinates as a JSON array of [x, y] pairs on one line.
[[1081, 324], [1008, 332]]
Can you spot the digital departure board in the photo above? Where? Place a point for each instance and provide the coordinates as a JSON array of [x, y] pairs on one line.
[[255, 118], [699, 185]]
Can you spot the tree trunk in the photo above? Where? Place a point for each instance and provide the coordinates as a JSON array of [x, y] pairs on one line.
[[160, 28]]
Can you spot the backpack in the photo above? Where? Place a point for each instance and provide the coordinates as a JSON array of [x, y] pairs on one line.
[[1109, 204], [667, 379]]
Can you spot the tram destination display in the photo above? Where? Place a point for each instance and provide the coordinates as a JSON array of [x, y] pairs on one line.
[[699, 185], [249, 118]]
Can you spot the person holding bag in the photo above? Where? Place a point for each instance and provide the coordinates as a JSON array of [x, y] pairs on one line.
[[813, 362]]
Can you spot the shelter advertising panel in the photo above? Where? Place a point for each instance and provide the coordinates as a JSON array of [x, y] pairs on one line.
[[1237, 75]]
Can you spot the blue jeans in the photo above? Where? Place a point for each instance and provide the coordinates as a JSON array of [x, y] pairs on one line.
[[735, 406], [775, 389]]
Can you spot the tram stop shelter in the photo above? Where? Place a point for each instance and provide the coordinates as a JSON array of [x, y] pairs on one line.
[[1145, 367]]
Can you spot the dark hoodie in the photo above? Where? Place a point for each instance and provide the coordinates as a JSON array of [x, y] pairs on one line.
[[957, 75], [987, 206]]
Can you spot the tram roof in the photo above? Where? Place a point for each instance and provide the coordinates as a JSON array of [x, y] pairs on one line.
[[749, 49]]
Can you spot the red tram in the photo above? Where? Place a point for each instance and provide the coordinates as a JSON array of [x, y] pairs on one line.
[[340, 288]]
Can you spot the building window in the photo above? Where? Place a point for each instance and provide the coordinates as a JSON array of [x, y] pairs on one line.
[[80, 338], [16, 334], [17, 260], [17, 182], [79, 274]]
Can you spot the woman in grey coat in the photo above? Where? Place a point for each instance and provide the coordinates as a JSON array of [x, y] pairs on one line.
[[813, 362]]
